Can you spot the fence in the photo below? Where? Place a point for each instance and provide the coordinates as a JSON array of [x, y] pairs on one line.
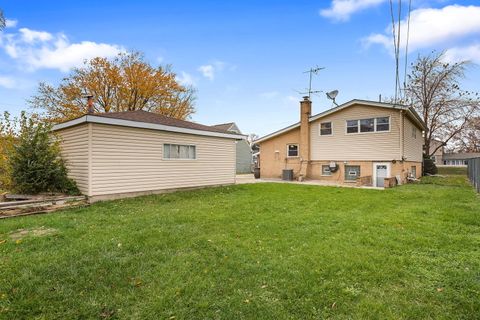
[[474, 172]]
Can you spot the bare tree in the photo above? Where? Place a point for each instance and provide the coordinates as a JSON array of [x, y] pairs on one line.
[[251, 138], [469, 139], [433, 89], [2, 20]]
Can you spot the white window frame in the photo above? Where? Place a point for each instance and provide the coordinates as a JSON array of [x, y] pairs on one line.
[[389, 124], [374, 125], [320, 129], [181, 159], [298, 150], [323, 174]]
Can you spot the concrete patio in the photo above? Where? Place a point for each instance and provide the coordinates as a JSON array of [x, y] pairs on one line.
[[249, 178]]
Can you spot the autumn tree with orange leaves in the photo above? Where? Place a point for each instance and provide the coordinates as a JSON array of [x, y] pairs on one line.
[[124, 83]]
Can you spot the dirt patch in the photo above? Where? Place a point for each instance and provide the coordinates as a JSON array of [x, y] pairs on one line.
[[32, 232]]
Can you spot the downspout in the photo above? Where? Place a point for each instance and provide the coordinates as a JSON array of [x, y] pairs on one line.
[[402, 132]]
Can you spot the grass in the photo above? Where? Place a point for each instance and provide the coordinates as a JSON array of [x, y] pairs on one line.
[[260, 251], [452, 170]]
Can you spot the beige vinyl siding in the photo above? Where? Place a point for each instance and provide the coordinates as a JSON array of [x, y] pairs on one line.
[[413, 147], [74, 150], [131, 160], [356, 146]]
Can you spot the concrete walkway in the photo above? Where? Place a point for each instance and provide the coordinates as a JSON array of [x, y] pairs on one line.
[[249, 178]]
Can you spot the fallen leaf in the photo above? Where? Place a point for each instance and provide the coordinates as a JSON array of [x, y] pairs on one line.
[[18, 241], [334, 305], [3, 241], [439, 289]]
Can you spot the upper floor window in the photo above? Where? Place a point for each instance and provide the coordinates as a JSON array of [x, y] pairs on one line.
[[352, 126], [383, 123], [368, 125], [325, 128], [292, 150], [179, 151]]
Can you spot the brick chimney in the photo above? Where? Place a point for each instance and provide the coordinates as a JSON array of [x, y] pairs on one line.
[[90, 109], [305, 112]]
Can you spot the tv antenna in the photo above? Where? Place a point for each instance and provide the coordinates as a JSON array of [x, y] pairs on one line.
[[312, 71]]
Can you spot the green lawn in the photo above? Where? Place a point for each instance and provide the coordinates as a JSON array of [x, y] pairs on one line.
[[452, 170], [260, 251]]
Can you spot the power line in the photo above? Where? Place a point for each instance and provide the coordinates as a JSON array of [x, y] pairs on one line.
[[406, 46]]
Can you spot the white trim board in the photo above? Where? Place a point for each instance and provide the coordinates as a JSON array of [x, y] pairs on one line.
[[143, 125]]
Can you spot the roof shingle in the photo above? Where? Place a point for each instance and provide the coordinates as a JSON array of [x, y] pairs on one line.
[[150, 117]]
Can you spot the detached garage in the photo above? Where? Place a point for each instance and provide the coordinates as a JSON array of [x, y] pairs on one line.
[[131, 153]]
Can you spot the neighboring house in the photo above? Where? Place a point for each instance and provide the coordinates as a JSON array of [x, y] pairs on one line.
[[112, 155], [358, 139], [437, 157], [244, 152], [458, 159]]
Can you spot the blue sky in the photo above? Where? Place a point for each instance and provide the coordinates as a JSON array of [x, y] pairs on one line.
[[246, 58]]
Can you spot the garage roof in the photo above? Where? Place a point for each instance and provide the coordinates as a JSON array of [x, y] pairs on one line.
[[149, 120]]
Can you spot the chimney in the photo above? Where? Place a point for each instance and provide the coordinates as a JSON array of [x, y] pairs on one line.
[[305, 112], [90, 109]]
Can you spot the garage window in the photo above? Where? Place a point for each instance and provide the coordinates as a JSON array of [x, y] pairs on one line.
[[179, 151]]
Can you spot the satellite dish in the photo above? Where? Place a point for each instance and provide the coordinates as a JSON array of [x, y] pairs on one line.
[[332, 95]]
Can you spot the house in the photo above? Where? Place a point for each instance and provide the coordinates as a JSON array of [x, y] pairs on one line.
[[244, 152], [113, 155], [458, 159], [359, 140]]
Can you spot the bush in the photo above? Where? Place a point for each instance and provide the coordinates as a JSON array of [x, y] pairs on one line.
[[429, 166], [35, 162]]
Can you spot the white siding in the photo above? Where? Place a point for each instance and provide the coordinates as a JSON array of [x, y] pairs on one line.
[[131, 160], [74, 150], [362, 146], [413, 147]]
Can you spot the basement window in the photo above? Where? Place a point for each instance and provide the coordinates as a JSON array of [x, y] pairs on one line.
[[292, 150], [326, 170], [326, 129], [179, 151], [352, 173]]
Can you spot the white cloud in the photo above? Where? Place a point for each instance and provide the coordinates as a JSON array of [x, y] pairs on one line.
[[468, 53], [42, 50], [431, 26], [186, 79], [341, 10], [7, 82], [11, 23], [208, 71], [31, 36]]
